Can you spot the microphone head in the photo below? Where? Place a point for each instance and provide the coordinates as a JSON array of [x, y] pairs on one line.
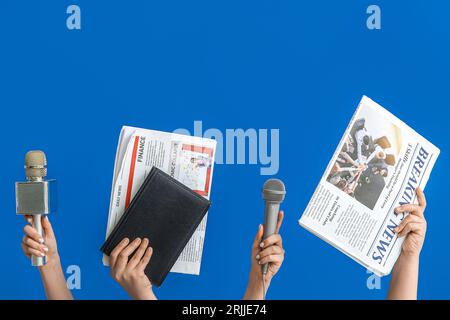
[[274, 190], [35, 165]]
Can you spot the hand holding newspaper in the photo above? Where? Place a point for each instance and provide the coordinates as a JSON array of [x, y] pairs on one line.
[[188, 159], [377, 167]]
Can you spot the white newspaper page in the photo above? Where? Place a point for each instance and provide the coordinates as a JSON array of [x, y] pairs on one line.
[[188, 159], [377, 166]]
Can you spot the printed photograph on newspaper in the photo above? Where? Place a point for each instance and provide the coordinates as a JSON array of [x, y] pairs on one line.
[[367, 158]]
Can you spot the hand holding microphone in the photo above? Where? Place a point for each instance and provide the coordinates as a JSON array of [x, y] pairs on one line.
[[36, 198], [273, 194], [267, 251], [36, 245]]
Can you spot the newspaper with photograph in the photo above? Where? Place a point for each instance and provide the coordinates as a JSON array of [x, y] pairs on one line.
[[377, 167], [188, 159]]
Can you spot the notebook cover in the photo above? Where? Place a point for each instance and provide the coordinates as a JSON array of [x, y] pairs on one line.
[[167, 213]]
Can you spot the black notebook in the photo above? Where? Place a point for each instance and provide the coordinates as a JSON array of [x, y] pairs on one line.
[[167, 213]]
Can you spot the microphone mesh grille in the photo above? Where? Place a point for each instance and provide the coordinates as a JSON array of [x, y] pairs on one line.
[[33, 159], [274, 190]]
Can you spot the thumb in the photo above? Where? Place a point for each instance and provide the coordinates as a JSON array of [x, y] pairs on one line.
[[47, 226], [258, 237], [280, 221]]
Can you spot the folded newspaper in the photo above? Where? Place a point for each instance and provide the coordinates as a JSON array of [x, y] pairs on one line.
[[188, 159], [376, 167]]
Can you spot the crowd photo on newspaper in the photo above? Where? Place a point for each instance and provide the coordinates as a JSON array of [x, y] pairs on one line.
[[363, 164]]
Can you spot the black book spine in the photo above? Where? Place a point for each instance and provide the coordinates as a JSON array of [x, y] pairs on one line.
[[106, 247]]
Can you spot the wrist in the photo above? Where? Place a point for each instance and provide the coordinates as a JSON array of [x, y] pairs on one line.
[[255, 280], [53, 264], [255, 287], [410, 257], [145, 295]]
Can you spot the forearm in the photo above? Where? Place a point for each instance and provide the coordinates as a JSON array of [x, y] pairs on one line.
[[404, 280], [150, 296], [349, 159], [147, 295], [54, 281], [255, 288]]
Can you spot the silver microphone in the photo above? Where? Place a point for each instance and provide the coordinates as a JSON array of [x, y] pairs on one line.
[[36, 196], [274, 192]]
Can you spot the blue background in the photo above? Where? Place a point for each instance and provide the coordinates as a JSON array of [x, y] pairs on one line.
[[300, 66]]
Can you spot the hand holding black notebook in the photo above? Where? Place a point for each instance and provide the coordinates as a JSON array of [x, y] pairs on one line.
[[167, 213]]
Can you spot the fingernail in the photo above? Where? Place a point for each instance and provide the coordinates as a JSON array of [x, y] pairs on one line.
[[42, 254], [260, 227], [257, 257], [396, 229], [45, 249], [261, 244], [259, 262], [41, 240]]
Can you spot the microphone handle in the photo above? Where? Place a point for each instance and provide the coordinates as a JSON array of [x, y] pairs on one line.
[[270, 224], [37, 224]]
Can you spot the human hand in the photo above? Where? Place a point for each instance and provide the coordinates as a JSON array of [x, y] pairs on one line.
[[34, 244], [129, 273], [414, 226], [269, 250]]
